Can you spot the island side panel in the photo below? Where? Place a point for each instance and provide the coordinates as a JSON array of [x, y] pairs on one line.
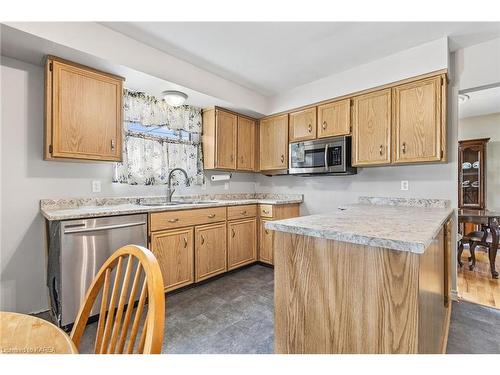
[[433, 309], [337, 297]]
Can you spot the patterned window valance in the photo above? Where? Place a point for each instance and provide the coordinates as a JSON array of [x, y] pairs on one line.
[[158, 138]]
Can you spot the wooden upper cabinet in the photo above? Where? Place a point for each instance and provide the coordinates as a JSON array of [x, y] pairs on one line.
[[83, 112], [334, 118], [372, 128], [229, 141], [303, 125], [226, 133], [418, 126], [175, 253], [274, 143], [246, 144]]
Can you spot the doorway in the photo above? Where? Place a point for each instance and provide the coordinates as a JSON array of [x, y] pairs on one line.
[[479, 195]]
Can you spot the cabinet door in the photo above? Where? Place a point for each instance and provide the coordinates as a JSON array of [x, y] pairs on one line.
[[242, 238], [175, 253], [210, 250], [372, 128], [226, 130], [334, 119], [417, 121], [265, 243], [246, 144], [84, 116], [303, 125], [274, 143]]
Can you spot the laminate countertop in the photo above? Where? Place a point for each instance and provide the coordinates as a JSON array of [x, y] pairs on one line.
[[392, 223], [81, 208]]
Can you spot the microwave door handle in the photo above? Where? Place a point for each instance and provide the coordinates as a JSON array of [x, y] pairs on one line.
[[326, 157]]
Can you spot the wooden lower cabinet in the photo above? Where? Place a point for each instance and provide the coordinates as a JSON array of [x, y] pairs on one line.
[[265, 243], [210, 250], [174, 250], [242, 242]]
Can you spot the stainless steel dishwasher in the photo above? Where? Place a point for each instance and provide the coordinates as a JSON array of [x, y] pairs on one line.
[[84, 247]]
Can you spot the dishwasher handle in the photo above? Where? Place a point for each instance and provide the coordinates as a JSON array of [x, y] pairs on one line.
[[105, 227]]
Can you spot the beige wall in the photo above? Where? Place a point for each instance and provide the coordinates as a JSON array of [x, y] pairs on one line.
[[487, 126]]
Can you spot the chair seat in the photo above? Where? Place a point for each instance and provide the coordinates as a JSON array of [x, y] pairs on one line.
[[477, 236]]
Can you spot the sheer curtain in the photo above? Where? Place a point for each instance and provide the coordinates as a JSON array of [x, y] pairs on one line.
[[158, 138]]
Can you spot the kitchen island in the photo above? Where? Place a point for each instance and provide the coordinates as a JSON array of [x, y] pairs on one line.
[[373, 277]]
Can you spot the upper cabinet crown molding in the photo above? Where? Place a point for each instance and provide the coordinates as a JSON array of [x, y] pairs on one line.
[[228, 140], [83, 112]]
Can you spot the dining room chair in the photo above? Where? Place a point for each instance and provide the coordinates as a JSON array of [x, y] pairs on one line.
[[132, 304]]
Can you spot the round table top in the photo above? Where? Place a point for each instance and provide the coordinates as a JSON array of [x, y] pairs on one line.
[[26, 334]]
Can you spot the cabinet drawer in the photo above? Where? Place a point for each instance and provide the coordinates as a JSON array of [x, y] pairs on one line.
[[241, 212], [184, 218], [266, 210]]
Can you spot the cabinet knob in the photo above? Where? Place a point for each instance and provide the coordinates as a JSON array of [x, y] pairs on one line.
[[112, 145], [211, 216], [173, 220], [282, 158], [265, 211], [243, 212], [267, 232], [309, 128], [185, 242], [404, 148], [380, 151], [233, 233], [324, 125]]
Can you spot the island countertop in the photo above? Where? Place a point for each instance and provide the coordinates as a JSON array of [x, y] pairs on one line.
[[397, 224], [79, 208]]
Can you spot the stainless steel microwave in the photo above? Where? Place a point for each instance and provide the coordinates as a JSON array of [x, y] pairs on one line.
[[329, 156]]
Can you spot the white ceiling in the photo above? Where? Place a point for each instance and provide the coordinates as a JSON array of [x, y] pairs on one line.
[[480, 103], [273, 57]]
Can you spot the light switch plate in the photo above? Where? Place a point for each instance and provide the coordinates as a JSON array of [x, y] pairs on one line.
[[96, 186], [404, 184]]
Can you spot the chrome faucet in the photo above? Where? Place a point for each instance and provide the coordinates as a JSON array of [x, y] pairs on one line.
[[171, 191]]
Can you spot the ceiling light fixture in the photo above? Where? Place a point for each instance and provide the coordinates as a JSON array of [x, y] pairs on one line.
[[463, 97], [174, 98]]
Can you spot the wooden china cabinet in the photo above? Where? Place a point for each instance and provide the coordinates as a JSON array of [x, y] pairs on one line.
[[471, 173]]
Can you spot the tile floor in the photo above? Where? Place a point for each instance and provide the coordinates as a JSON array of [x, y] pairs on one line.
[[234, 314]]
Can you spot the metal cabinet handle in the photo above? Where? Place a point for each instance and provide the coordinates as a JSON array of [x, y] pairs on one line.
[[243, 212], [202, 239], [185, 242], [404, 148], [309, 128], [211, 216], [173, 220], [112, 145], [265, 211], [233, 233], [324, 125], [282, 158], [267, 232], [380, 150]]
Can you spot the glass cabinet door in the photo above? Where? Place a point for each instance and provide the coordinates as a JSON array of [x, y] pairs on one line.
[[471, 177]]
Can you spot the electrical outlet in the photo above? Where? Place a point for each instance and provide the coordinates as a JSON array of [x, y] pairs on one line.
[[404, 185], [226, 185], [96, 186]]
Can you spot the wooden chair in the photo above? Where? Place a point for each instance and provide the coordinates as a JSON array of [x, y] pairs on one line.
[[486, 237], [117, 304]]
